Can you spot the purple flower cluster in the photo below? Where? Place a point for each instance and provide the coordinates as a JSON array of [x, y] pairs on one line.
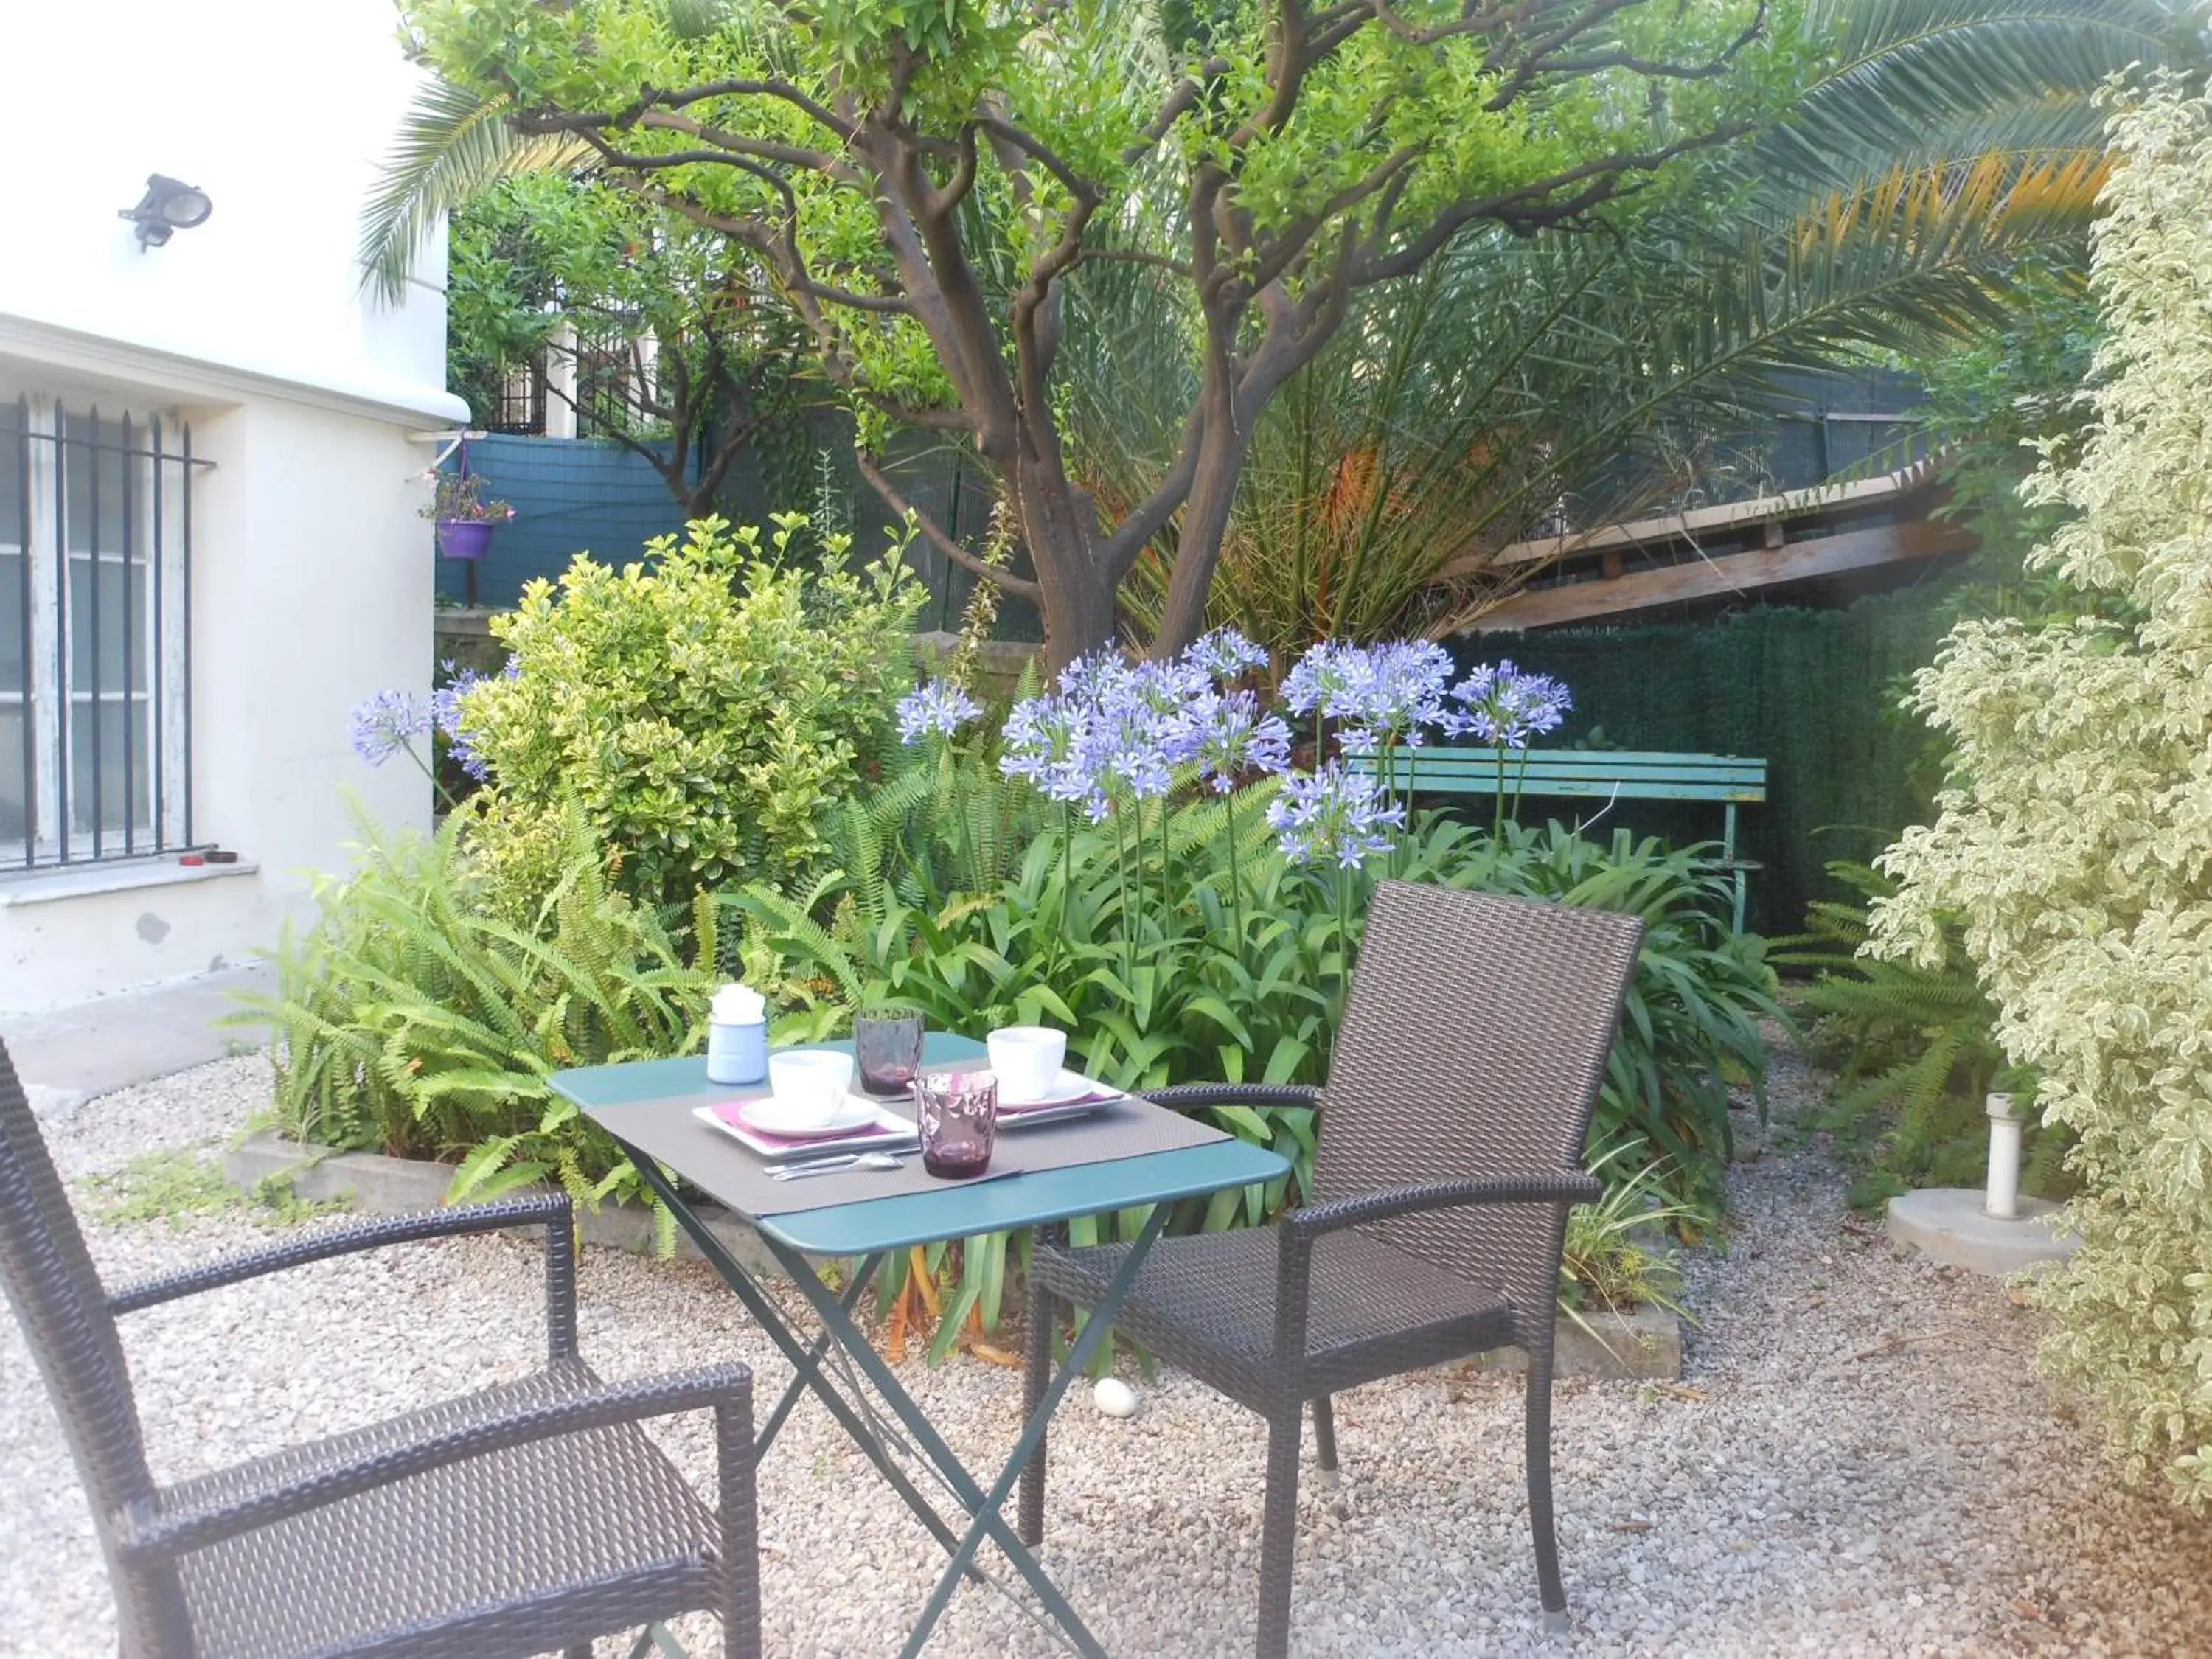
[[1234, 737], [386, 722], [1507, 705], [1225, 655], [1382, 694], [1111, 727], [937, 709], [1331, 817], [445, 711]]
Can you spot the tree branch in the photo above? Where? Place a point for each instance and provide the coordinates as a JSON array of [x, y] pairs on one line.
[[935, 535]]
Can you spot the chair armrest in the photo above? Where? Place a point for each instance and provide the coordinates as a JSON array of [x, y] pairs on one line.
[[1567, 1186], [549, 1210], [1299, 1229], [1193, 1097], [147, 1532]]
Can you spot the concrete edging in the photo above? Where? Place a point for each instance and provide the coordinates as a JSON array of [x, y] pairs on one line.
[[397, 1186], [1645, 1346]]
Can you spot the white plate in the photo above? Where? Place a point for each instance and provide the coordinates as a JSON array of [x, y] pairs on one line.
[[883, 1132], [1068, 1085], [784, 1118]]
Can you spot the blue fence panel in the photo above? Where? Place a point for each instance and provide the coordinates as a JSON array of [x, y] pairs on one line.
[[570, 496]]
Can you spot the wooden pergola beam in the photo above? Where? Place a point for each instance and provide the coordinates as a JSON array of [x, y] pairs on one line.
[[1734, 572]]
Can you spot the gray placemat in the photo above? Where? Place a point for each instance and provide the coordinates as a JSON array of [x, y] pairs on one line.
[[734, 1175]]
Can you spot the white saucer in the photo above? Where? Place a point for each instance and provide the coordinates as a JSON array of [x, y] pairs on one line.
[[1068, 1085], [781, 1118]]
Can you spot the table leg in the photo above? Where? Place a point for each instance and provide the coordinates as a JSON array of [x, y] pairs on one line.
[[806, 1372], [1095, 1327], [983, 1507], [764, 1313]]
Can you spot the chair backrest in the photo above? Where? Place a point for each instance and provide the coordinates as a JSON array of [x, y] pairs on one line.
[[64, 1311], [1474, 1042]]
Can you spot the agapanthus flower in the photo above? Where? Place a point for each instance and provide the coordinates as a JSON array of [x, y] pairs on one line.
[[1331, 817], [1049, 740], [1225, 654], [386, 722], [937, 709], [1234, 737], [1154, 704], [445, 715], [1394, 692], [1319, 680], [1507, 705]]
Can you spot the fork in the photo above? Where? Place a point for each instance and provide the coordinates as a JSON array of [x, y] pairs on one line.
[[830, 1166]]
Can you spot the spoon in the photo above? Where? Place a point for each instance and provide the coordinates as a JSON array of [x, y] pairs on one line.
[[830, 1166]]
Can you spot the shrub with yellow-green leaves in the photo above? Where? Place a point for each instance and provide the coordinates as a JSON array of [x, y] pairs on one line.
[[2076, 839], [708, 707]]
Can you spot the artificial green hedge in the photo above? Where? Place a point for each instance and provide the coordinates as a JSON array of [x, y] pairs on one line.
[[1814, 692]]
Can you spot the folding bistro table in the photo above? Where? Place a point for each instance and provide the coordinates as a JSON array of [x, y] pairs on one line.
[[1129, 1155]]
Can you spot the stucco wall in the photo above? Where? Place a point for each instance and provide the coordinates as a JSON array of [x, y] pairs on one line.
[[312, 569]]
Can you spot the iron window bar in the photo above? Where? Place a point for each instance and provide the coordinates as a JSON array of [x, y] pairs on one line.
[[108, 520]]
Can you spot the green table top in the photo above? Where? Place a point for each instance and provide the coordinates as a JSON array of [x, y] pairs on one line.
[[662, 1086]]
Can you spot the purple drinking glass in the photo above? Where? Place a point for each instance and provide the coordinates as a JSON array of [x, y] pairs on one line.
[[957, 1114], [887, 1045]]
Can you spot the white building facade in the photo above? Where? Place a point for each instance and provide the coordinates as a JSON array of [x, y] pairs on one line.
[[210, 540]]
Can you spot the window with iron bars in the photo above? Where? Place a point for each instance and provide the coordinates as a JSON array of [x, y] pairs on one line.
[[96, 619]]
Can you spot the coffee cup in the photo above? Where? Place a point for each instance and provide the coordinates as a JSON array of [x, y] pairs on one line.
[[812, 1084], [1027, 1059]]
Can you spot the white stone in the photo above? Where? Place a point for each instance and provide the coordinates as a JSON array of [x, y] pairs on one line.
[[1114, 1397]]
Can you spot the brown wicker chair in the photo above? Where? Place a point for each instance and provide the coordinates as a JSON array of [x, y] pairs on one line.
[[524, 1519], [1451, 1146]]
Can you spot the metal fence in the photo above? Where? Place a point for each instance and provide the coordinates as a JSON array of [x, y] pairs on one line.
[[95, 635]]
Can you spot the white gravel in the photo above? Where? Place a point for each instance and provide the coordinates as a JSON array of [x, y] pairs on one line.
[[1861, 1460]]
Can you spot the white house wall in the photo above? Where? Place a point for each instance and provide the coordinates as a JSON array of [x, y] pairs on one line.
[[312, 567]]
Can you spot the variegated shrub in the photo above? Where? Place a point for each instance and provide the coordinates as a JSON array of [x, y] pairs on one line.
[[2076, 839]]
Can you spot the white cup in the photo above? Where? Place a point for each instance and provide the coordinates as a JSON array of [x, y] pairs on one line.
[[1027, 1059], [812, 1084]]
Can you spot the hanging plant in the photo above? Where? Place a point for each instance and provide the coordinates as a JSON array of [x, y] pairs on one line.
[[465, 519]]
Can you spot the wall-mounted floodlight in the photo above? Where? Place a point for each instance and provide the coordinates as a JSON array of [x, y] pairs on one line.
[[169, 206]]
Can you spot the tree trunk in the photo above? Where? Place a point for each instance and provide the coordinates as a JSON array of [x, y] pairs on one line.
[[1221, 457], [1078, 596]]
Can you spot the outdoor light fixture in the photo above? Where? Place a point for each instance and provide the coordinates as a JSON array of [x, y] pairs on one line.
[[169, 206]]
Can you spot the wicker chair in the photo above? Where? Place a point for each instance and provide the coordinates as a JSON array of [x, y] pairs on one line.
[[524, 1519], [1451, 1139]]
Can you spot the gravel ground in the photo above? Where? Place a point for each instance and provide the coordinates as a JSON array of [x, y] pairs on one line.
[[1861, 1460]]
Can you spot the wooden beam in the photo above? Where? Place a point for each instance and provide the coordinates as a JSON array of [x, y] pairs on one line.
[[1673, 527], [1737, 573]]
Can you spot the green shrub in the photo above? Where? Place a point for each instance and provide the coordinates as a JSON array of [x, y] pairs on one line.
[[1914, 1051], [412, 1019], [710, 707], [1179, 975], [2075, 837]]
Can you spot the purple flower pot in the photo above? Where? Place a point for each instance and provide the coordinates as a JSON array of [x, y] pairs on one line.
[[465, 538]]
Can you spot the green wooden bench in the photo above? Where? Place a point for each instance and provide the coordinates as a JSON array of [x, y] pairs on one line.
[[1605, 774]]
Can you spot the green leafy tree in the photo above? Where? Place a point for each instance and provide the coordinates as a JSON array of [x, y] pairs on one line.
[[921, 180], [1936, 157], [674, 350], [2074, 839]]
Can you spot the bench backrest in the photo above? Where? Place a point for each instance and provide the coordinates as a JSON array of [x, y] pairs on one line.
[[1622, 773]]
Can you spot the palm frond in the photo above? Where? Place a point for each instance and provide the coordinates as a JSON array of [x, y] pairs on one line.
[[452, 142]]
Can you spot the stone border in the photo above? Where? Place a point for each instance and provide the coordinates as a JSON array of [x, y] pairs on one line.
[[1644, 1344]]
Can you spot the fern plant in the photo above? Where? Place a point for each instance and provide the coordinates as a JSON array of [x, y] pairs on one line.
[[413, 1019], [1913, 1049]]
